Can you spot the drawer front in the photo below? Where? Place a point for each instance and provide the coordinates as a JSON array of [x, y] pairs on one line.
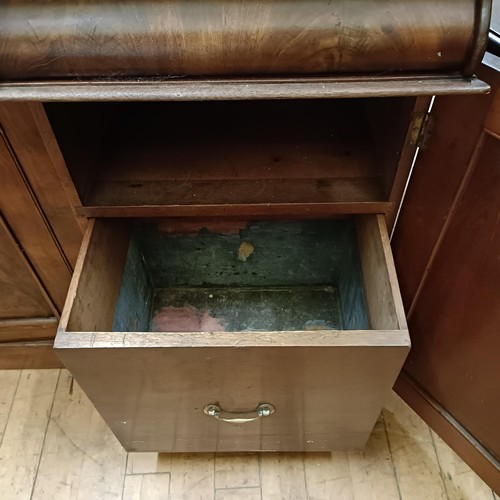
[[220, 37], [326, 387]]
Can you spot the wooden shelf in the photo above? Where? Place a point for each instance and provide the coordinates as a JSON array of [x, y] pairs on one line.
[[218, 158]]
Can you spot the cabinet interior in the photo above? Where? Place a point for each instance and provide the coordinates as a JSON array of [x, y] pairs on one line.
[[217, 157], [302, 275]]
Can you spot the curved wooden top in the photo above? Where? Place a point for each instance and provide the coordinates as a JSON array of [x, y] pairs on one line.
[[91, 38]]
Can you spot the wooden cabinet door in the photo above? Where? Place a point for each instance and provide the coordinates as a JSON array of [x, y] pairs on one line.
[[26, 310], [38, 234], [447, 252]]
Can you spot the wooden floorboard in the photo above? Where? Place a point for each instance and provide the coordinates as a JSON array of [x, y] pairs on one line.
[[54, 445]]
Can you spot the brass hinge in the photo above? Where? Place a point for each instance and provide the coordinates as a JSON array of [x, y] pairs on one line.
[[421, 130]]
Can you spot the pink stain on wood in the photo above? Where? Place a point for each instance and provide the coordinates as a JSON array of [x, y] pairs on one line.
[[178, 227], [185, 319]]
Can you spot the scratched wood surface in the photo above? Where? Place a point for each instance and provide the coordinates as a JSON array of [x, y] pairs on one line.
[[329, 385], [220, 37], [55, 446]]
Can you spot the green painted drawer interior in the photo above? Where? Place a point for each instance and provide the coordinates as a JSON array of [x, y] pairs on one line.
[[267, 276]]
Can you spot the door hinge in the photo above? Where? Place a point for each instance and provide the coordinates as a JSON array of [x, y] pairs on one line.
[[421, 130]]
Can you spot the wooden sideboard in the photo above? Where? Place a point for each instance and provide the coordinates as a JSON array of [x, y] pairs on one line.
[[207, 157], [252, 167]]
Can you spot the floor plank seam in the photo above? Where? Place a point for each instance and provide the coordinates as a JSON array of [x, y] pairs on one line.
[[237, 488], [215, 473], [259, 464], [170, 483], [305, 476], [441, 472], [158, 473], [45, 435], [394, 471], [125, 476], [10, 407]]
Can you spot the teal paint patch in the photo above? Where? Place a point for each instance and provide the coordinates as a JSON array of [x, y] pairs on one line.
[[133, 306], [246, 309], [300, 275]]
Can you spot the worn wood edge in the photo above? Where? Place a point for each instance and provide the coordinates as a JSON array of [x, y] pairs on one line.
[[26, 329], [57, 161], [73, 286], [245, 210], [492, 122], [235, 89], [404, 167], [382, 294], [479, 39], [27, 323], [317, 338], [450, 430], [28, 355], [391, 270]]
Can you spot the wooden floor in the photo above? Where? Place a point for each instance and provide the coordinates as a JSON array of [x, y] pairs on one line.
[[54, 446]]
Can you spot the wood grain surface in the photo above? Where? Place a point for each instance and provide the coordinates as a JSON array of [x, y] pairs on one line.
[[226, 37], [80, 458], [23, 213], [20, 330], [420, 222], [38, 354], [238, 89], [446, 248], [35, 145], [328, 386], [283, 157], [21, 293], [456, 317]]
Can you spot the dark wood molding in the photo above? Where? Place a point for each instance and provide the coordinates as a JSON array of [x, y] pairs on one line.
[[28, 355], [239, 89]]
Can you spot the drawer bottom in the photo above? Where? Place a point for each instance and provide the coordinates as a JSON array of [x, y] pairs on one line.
[[246, 309]]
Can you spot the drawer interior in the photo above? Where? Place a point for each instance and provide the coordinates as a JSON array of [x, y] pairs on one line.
[[263, 276], [212, 157], [273, 275]]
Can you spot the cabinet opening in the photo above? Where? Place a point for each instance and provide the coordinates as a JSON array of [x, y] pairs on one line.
[[249, 157], [262, 276]]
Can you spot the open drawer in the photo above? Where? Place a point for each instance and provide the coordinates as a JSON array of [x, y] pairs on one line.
[[276, 335]]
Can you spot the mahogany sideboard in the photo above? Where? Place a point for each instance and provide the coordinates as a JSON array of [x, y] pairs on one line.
[[274, 167]]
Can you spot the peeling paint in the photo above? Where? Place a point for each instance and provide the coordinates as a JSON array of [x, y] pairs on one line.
[[246, 249]]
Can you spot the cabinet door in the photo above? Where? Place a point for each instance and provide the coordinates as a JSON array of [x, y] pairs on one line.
[[25, 309], [447, 252], [34, 267], [24, 214]]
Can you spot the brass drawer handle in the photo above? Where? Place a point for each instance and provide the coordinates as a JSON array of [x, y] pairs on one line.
[[239, 417]]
